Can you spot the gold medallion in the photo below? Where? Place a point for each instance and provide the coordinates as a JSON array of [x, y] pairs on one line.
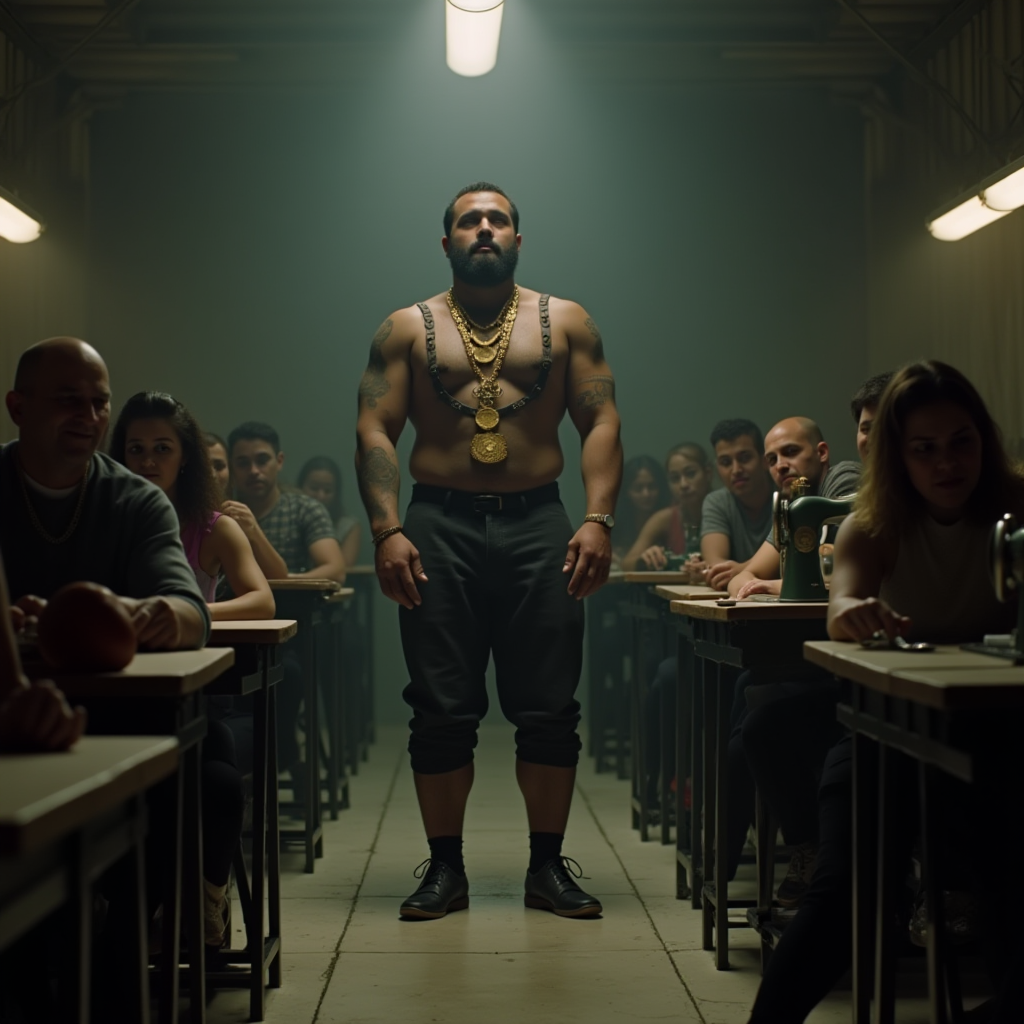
[[805, 539], [486, 419], [484, 355], [489, 448], [479, 339]]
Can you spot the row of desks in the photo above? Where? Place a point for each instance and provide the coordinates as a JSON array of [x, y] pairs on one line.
[[899, 700], [43, 798]]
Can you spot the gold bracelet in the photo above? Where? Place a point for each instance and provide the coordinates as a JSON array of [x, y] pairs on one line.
[[384, 534]]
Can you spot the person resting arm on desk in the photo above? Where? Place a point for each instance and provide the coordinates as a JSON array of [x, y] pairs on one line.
[[298, 527], [157, 438], [676, 530], [33, 716], [735, 520], [793, 448], [71, 513], [912, 560], [320, 479]]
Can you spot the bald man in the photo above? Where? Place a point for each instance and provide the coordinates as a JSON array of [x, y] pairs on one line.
[[793, 448], [69, 513]]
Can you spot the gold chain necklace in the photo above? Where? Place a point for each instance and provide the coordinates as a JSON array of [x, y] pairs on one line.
[[483, 338], [34, 519], [487, 446]]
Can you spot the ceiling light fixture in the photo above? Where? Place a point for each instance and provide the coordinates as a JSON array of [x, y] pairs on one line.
[[998, 195], [472, 31], [17, 222]]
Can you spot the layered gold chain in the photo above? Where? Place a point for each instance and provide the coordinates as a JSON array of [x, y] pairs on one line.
[[488, 446], [34, 518]]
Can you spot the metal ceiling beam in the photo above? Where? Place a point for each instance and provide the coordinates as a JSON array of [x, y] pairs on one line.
[[957, 19], [12, 27]]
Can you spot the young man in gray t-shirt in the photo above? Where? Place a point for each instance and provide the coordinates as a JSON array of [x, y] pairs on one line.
[[735, 520]]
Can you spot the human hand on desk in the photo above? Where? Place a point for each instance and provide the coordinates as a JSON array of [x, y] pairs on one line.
[[718, 576], [759, 587], [156, 622], [861, 618], [36, 717], [653, 558]]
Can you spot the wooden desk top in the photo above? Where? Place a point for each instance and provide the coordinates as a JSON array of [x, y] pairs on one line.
[[341, 596], [308, 585], [662, 576], [164, 674], [43, 797], [749, 611], [688, 592], [944, 678], [252, 631]]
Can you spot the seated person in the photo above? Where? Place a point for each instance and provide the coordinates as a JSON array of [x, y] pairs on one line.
[[73, 514], [644, 491], [793, 448], [320, 478], [735, 520], [300, 530], [864, 406], [675, 530], [271, 564], [937, 478], [33, 716], [157, 438]]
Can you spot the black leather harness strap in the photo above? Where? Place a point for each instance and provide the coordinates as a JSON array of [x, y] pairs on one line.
[[534, 392]]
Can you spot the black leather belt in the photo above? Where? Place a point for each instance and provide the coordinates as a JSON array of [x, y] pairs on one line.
[[467, 503]]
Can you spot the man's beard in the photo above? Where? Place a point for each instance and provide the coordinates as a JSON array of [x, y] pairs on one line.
[[485, 270]]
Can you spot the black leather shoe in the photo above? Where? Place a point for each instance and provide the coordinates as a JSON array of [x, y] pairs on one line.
[[552, 888], [441, 891]]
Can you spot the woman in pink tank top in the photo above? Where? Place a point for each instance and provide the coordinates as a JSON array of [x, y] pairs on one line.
[[157, 437], [675, 530]]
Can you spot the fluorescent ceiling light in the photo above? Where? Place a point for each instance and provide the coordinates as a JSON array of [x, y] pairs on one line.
[[472, 30], [1008, 192], [993, 199], [17, 224], [963, 220]]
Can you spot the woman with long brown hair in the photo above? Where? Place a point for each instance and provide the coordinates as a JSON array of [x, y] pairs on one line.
[[913, 561]]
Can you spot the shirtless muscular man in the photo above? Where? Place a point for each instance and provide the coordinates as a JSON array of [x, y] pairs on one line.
[[486, 562]]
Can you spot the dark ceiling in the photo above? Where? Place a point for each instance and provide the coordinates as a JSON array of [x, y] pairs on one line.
[[189, 44]]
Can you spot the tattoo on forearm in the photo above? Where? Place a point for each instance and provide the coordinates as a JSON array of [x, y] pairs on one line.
[[598, 340], [378, 483], [595, 392], [374, 384]]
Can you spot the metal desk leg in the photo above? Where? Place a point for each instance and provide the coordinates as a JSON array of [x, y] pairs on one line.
[[710, 748], [273, 837], [192, 888], [171, 933], [638, 745], [885, 954], [254, 925], [697, 776], [931, 869], [668, 747], [724, 706], [864, 848], [684, 844], [137, 858]]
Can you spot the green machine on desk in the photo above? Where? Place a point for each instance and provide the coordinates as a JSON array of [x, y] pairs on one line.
[[1008, 581], [796, 525]]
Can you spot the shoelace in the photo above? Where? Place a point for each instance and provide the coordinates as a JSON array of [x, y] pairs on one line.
[[568, 863], [421, 869]]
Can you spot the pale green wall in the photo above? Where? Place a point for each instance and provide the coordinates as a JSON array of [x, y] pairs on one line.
[[246, 248]]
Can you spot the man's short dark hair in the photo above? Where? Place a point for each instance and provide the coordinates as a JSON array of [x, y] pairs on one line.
[[869, 394], [478, 186], [254, 431], [729, 430]]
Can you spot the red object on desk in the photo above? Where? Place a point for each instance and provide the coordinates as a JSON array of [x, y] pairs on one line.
[[85, 626]]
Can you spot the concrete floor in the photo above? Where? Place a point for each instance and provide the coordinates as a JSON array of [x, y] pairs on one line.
[[348, 959]]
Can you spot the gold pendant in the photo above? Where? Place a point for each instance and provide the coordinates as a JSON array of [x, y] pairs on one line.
[[484, 355], [489, 448], [483, 339], [486, 418]]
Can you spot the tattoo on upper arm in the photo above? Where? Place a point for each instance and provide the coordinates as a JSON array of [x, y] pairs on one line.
[[598, 340], [595, 392], [374, 384], [378, 480]]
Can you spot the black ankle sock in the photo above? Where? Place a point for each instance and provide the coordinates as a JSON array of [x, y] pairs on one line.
[[448, 850], [544, 846]]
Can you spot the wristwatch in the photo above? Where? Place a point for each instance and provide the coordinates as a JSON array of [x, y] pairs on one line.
[[599, 517]]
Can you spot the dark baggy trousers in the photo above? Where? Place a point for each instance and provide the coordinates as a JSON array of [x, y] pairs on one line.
[[495, 587]]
